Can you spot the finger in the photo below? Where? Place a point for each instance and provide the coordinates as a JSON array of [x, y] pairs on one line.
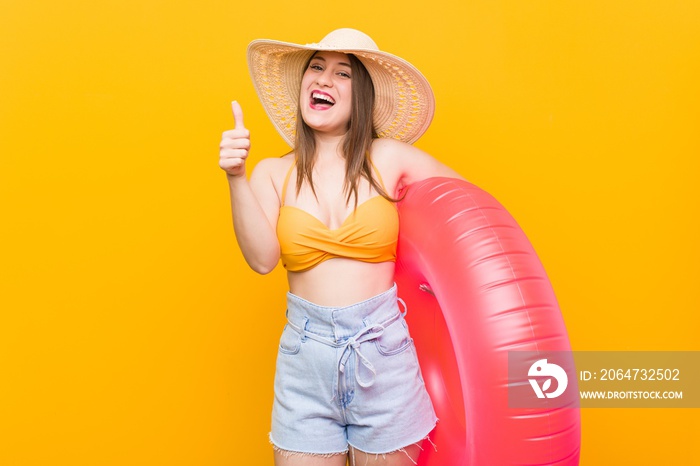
[[237, 115], [235, 134], [234, 154], [240, 143], [227, 164]]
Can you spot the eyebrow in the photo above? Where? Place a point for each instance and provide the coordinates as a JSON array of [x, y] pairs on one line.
[[321, 58]]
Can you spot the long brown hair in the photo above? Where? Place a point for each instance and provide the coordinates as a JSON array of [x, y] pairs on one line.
[[356, 143]]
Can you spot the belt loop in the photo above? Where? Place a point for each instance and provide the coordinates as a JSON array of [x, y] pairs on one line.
[[304, 330], [403, 304]]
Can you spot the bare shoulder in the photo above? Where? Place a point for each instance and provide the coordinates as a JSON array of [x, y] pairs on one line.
[[271, 172], [274, 168], [271, 165], [407, 164], [386, 157], [383, 148], [397, 152]]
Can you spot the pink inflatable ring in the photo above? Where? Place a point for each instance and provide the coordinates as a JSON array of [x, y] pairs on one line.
[[475, 289]]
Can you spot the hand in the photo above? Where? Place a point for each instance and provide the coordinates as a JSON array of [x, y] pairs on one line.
[[235, 144]]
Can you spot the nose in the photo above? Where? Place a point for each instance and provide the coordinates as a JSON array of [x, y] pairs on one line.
[[324, 79]]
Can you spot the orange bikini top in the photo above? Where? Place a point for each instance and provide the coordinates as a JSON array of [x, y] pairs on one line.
[[369, 234]]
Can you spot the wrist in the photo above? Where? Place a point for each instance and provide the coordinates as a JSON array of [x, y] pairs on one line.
[[235, 178]]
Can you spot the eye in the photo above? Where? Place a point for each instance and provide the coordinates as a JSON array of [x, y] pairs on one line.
[[344, 74], [315, 66]]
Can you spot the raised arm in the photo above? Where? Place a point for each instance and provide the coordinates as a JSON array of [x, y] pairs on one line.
[[254, 204], [407, 164]]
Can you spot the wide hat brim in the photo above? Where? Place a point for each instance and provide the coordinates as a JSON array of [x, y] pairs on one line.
[[404, 102]]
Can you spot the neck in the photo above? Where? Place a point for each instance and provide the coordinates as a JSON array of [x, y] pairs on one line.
[[328, 146]]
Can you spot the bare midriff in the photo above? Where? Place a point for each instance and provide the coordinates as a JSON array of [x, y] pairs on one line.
[[341, 282]]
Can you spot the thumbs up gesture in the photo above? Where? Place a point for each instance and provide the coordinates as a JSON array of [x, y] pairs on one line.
[[235, 144]]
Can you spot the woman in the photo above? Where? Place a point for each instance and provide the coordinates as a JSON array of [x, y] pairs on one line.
[[347, 378]]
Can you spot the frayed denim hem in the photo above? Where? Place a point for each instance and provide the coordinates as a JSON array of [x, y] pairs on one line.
[[287, 453], [400, 450]]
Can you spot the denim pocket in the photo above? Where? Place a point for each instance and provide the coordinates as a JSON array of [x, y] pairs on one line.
[[395, 339], [290, 342]]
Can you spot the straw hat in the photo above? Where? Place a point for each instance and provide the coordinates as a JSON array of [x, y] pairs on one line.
[[404, 103]]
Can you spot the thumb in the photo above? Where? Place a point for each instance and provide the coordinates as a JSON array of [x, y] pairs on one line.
[[237, 115]]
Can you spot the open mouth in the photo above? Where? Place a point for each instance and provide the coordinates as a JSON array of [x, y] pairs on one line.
[[321, 100]]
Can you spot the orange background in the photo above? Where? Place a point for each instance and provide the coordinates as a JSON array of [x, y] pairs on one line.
[[131, 330]]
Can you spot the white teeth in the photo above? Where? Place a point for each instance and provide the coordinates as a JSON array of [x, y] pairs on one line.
[[325, 97]]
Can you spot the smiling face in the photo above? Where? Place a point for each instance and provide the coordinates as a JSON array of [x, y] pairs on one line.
[[325, 99]]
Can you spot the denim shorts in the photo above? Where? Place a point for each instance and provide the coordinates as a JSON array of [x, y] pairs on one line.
[[348, 376]]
